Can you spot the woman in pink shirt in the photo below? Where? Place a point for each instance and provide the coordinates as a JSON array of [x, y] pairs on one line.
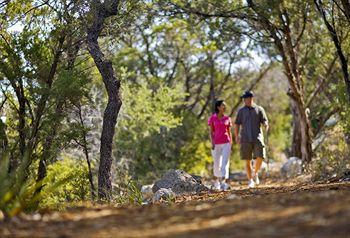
[[221, 140]]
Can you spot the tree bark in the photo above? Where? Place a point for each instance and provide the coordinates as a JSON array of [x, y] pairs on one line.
[[286, 50], [3, 139], [296, 139], [99, 12]]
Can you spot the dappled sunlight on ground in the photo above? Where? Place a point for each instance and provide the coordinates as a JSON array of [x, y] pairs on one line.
[[317, 210]]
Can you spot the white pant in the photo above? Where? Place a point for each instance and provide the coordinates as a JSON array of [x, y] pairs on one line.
[[221, 155]]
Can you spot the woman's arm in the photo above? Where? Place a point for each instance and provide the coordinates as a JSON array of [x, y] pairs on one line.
[[229, 130], [230, 134], [211, 136]]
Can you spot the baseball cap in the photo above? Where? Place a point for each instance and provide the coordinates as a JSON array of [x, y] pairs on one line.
[[247, 94]]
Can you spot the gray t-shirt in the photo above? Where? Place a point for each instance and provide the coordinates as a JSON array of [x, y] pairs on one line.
[[250, 120]]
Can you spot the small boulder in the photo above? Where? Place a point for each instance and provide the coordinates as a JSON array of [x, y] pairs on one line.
[[292, 168], [163, 194], [179, 182], [197, 178]]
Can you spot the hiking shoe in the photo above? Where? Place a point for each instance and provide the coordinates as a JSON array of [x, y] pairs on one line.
[[224, 186], [251, 184], [217, 185], [256, 179]]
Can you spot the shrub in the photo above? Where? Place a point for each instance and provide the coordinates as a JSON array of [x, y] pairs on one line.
[[332, 159], [76, 187]]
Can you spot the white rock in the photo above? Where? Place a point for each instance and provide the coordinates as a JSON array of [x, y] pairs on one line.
[[146, 191], [292, 168]]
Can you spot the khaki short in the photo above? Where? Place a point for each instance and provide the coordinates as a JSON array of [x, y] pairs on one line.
[[251, 151]]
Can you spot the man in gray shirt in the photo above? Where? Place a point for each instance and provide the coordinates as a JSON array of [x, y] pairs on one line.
[[248, 122]]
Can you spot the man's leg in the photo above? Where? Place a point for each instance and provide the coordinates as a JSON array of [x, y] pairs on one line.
[[258, 163], [248, 167], [246, 154], [259, 154]]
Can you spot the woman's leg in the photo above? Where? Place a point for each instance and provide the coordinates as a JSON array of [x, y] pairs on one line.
[[225, 167], [217, 155]]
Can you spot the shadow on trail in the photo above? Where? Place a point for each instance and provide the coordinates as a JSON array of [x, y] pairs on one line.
[[321, 210]]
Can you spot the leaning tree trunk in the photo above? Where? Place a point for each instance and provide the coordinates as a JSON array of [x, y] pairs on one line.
[[288, 52], [100, 12], [296, 93], [290, 58]]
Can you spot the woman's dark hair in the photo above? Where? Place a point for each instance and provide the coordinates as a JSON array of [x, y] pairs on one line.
[[218, 104]]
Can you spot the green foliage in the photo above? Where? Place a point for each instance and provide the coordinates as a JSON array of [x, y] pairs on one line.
[[69, 85], [18, 188], [147, 110], [76, 187], [146, 116], [195, 156], [131, 194]]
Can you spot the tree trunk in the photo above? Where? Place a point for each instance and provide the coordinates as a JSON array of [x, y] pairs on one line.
[[22, 123], [303, 122], [211, 95], [47, 148], [3, 139], [289, 52], [14, 162], [290, 62], [99, 13], [21, 128], [296, 139], [303, 119], [86, 152]]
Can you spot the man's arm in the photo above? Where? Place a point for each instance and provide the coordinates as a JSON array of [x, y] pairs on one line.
[[238, 141], [238, 123], [263, 119], [266, 125]]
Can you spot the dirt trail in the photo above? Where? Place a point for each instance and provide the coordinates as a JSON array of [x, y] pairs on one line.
[[317, 210]]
